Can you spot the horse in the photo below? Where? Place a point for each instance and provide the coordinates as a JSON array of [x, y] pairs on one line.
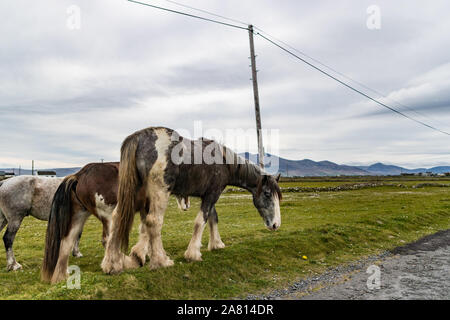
[[161, 162], [22, 196], [90, 191]]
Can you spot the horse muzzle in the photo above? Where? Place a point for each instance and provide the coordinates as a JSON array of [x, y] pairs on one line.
[[272, 226]]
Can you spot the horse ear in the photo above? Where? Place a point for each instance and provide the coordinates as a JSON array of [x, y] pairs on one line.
[[265, 178], [277, 177]]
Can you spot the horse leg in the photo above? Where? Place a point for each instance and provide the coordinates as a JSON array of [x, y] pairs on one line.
[[140, 250], [113, 260], [214, 237], [76, 250], [8, 240], [183, 203], [106, 227], [193, 251], [67, 243], [3, 221], [159, 198]]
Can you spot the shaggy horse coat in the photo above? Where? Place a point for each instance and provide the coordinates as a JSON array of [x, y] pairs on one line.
[[150, 161], [92, 190], [20, 197]]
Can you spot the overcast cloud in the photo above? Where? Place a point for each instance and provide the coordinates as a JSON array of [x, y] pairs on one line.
[[69, 97]]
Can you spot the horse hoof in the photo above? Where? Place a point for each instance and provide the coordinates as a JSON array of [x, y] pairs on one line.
[[58, 278], [77, 255], [133, 262], [114, 269], [161, 264], [139, 255], [14, 267], [216, 245], [193, 256], [110, 267]]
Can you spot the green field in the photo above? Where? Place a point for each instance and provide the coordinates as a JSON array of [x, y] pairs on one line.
[[329, 227]]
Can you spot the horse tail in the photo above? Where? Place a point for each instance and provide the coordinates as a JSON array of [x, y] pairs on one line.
[[126, 198], [58, 225]]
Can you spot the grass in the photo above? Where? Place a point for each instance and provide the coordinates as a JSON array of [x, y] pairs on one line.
[[330, 228]]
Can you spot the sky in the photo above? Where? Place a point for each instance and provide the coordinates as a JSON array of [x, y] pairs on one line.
[[77, 77]]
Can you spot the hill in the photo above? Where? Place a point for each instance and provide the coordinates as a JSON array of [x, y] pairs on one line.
[[305, 167], [60, 172], [309, 167]]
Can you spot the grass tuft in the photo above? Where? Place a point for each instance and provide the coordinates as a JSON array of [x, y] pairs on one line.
[[329, 228]]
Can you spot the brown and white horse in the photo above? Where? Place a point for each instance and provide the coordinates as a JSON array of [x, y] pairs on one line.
[[157, 162], [92, 190]]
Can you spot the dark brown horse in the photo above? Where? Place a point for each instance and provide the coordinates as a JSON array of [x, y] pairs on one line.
[[160, 162], [92, 190]]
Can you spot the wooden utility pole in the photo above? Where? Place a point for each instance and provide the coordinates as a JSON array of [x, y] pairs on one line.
[[32, 167], [256, 98]]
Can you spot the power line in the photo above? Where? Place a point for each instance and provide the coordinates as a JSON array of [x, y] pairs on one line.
[[190, 15], [208, 12], [350, 87], [294, 55], [383, 95]]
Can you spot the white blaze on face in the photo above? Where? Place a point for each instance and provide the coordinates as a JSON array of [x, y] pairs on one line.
[[277, 214]]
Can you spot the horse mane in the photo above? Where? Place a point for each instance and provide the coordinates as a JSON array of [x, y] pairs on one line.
[[273, 187], [244, 170], [241, 169]]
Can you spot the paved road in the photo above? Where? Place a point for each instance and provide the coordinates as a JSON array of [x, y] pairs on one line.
[[420, 270]]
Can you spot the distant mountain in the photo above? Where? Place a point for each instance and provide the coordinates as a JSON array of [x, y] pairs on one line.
[[309, 167], [383, 169], [441, 169], [60, 172], [305, 167]]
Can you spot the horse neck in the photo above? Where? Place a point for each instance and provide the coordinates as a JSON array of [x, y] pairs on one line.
[[247, 176]]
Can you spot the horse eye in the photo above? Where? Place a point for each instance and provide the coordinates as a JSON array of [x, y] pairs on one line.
[[267, 194]]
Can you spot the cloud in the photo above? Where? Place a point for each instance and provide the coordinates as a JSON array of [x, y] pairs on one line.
[[69, 97]]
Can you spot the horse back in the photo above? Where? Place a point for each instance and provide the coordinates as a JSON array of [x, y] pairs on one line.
[[198, 176], [43, 190], [174, 162], [98, 183], [17, 197]]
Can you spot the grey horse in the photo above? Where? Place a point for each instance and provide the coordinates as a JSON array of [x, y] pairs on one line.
[[22, 196]]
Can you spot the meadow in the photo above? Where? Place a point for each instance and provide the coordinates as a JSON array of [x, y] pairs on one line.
[[329, 228]]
